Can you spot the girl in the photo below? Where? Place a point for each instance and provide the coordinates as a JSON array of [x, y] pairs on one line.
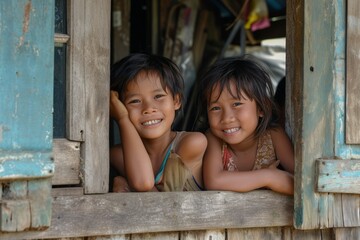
[[147, 90], [244, 145]]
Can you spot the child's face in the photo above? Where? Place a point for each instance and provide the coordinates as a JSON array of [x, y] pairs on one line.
[[151, 109], [231, 119]]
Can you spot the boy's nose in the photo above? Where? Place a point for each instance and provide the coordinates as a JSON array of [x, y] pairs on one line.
[[149, 107]]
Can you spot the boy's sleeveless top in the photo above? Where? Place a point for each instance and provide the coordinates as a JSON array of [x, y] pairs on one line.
[[173, 175], [265, 155]]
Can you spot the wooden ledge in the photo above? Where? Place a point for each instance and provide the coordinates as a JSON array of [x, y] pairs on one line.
[[124, 213]]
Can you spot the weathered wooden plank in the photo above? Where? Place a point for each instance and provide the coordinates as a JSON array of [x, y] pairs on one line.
[[116, 237], [254, 233], [95, 150], [39, 195], [69, 191], [316, 234], [124, 213], [314, 107], [27, 40], [156, 236], [25, 164], [347, 233], [67, 162], [353, 72], [350, 210], [15, 215], [338, 176], [75, 72], [206, 235], [344, 210]]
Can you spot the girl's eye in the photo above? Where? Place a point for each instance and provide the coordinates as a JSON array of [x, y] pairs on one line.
[[159, 96], [214, 108]]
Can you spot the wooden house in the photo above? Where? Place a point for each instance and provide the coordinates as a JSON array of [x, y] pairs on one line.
[[58, 187]]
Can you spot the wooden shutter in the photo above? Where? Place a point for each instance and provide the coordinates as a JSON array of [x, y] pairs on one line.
[[353, 73], [26, 101], [316, 76]]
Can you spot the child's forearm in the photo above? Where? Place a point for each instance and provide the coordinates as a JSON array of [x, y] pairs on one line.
[[237, 181], [251, 180], [137, 163]]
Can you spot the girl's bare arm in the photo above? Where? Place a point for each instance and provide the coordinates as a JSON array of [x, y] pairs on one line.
[[215, 178], [284, 149], [136, 161]]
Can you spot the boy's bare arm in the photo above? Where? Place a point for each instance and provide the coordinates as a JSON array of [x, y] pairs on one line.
[[191, 149], [137, 163]]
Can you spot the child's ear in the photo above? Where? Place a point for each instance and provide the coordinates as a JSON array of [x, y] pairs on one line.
[[177, 102], [260, 113]]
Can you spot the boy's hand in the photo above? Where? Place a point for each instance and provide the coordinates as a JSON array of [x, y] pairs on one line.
[[117, 108]]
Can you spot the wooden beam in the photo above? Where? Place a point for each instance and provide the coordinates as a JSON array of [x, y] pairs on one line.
[[124, 213], [352, 72], [338, 176]]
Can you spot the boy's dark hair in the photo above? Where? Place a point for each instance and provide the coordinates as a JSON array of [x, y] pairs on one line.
[[125, 71], [251, 78]]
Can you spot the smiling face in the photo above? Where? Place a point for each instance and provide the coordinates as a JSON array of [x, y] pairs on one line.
[[151, 108], [232, 119]]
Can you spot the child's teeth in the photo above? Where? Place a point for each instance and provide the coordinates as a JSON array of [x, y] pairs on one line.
[[231, 130], [151, 122]]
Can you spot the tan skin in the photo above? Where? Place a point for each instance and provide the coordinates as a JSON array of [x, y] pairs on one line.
[[144, 118], [234, 121]]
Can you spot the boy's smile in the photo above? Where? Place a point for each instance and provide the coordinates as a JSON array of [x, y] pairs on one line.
[[151, 108]]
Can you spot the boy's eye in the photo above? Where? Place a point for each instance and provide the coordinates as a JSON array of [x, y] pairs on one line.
[[134, 101], [237, 104]]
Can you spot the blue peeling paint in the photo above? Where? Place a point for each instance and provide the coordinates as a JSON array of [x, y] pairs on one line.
[[26, 93], [342, 150]]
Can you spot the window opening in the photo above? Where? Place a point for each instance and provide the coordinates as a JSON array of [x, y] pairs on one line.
[[59, 111]]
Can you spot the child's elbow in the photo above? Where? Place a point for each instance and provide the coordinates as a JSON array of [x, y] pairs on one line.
[[143, 186], [212, 184]]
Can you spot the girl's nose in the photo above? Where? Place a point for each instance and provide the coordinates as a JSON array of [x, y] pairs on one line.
[[227, 116]]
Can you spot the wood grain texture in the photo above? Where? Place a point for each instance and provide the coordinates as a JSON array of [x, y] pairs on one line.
[[313, 105], [125, 213], [95, 150], [338, 176], [353, 72], [67, 162], [75, 72]]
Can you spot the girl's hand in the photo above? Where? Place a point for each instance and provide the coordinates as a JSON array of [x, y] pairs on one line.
[[281, 181], [117, 108], [275, 164]]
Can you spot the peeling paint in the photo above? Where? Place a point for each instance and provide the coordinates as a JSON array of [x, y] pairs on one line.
[[3, 128], [1, 133], [16, 156], [26, 22]]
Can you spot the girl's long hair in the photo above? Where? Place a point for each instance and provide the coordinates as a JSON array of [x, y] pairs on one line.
[[250, 78]]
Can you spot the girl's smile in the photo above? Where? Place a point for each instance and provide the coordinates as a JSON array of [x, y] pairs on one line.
[[232, 119]]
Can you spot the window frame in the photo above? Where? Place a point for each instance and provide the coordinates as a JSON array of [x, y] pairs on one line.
[[83, 157]]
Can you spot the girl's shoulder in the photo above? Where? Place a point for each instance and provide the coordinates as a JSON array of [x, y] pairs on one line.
[[276, 132]]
